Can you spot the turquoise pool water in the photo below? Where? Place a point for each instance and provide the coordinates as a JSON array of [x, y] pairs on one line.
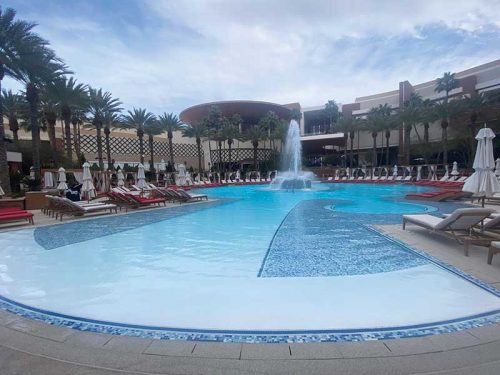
[[252, 259]]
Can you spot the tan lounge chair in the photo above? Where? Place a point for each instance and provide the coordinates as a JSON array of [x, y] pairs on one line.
[[460, 225]]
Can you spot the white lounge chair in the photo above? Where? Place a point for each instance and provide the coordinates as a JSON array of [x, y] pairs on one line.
[[460, 225]]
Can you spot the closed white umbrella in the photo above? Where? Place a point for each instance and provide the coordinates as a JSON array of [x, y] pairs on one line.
[[454, 170], [120, 177], [162, 167], [88, 189], [2, 193], [395, 171], [497, 167], [141, 177], [62, 179], [483, 181]]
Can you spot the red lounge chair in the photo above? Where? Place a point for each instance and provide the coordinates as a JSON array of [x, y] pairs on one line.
[[145, 201], [16, 216]]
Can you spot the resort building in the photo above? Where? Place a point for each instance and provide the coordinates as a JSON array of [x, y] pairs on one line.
[[317, 139]]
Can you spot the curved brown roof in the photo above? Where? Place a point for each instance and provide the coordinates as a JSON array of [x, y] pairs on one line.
[[250, 111]]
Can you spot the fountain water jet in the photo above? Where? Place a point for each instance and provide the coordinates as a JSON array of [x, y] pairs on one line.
[[291, 177]]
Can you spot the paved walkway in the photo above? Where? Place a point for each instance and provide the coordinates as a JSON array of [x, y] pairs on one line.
[[32, 347]]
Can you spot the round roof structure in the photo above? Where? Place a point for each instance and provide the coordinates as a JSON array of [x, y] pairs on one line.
[[250, 111]]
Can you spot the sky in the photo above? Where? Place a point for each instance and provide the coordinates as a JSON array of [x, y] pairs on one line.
[[168, 55]]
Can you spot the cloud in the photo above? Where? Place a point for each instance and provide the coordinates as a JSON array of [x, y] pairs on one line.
[[166, 55]]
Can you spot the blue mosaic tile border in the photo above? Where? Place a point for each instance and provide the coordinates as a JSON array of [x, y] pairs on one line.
[[306, 336]]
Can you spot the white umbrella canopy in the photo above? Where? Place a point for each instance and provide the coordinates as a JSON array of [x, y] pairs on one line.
[[483, 181], [454, 170], [162, 167], [141, 177], [88, 188], [62, 179], [120, 177], [497, 167]]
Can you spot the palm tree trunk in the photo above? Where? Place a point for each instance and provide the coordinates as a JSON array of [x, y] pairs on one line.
[[374, 152], [351, 149], [229, 144], [4, 165], [345, 149], [407, 130], [14, 128], [99, 146], [387, 137], [255, 145], [426, 132], [220, 155], [76, 142], [198, 145], [151, 153], [108, 145], [51, 129], [67, 138], [32, 98], [140, 134], [445, 143], [171, 148]]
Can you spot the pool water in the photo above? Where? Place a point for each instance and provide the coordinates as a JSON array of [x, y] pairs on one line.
[[253, 260]]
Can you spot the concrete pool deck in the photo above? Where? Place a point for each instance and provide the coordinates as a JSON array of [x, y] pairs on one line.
[[32, 347]]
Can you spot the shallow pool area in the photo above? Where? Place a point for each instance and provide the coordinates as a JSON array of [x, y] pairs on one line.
[[252, 265]]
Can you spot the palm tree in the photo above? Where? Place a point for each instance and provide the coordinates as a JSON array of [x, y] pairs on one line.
[[447, 83], [280, 133], [197, 130], [475, 105], [19, 46], [346, 125], [49, 110], [170, 123], [99, 104], [446, 112], [255, 134], [427, 116], [111, 120], [12, 104], [137, 119], [69, 96], [231, 133], [331, 112], [295, 114], [410, 115], [77, 119], [375, 123], [153, 128]]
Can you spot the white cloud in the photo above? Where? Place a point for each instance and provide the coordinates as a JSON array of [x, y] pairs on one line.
[[281, 51]]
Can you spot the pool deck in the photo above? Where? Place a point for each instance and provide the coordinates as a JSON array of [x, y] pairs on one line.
[[32, 347]]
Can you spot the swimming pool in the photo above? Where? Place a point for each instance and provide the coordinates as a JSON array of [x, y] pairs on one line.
[[253, 265]]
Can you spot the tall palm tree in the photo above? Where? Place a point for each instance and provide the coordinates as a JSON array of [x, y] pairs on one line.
[[410, 115], [197, 130], [41, 68], [447, 83], [345, 125], [255, 134], [427, 116], [49, 110], [446, 112], [137, 119], [374, 124], [12, 104], [151, 129], [111, 120], [170, 123], [231, 133], [475, 105], [99, 104], [77, 119], [69, 96], [16, 40], [331, 112]]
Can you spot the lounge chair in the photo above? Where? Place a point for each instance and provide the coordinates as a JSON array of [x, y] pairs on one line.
[[68, 207], [13, 214], [460, 225], [188, 196], [439, 196]]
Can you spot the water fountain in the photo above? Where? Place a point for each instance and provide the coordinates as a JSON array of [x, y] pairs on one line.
[[292, 177]]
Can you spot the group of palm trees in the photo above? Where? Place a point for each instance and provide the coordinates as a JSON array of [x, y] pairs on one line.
[[50, 94], [461, 112]]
